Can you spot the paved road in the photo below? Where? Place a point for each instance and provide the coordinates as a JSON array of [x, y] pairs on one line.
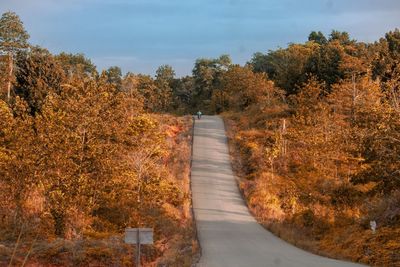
[[229, 236]]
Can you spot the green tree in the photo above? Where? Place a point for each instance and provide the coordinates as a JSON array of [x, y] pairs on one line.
[[259, 62], [317, 37], [76, 64], [386, 56], [342, 37], [288, 67], [206, 74], [326, 62], [148, 89], [182, 94], [38, 74], [164, 78], [13, 38], [130, 85], [114, 76], [165, 73]]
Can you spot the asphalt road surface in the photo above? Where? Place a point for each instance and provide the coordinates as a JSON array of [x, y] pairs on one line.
[[229, 236]]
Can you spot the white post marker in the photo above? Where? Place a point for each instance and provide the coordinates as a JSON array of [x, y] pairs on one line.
[[138, 236], [373, 226]]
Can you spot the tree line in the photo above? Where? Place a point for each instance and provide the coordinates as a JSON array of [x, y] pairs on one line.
[[316, 128], [83, 155]]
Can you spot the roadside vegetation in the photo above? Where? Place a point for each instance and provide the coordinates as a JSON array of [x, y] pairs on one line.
[[314, 131], [83, 155], [317, 153]]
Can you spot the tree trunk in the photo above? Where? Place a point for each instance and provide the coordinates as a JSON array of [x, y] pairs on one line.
[[58, 222], [353, 103], [10, 69]]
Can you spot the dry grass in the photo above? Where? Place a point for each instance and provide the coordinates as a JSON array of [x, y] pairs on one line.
[[293, 206]]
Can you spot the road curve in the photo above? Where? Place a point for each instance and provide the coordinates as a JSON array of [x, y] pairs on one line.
[[229, 236]]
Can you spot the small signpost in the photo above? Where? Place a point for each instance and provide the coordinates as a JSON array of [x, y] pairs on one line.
[[138, 236]]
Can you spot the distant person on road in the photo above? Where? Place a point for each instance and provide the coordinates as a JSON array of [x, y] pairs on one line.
[[199, 114]]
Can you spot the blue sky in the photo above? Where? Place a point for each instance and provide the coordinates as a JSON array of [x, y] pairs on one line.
[[140, 35]]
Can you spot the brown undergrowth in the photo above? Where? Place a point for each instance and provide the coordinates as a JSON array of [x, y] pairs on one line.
[[302, 206], [101, 241]]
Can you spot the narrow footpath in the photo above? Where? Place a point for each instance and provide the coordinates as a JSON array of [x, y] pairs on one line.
[[229, 236]]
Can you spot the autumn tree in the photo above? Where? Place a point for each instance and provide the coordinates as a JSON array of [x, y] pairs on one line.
[[356, 61], [241, 87], [145, 186], [4, 75], [17, 161], [81, 139], [329, 159], [380, 151], [377, 120]]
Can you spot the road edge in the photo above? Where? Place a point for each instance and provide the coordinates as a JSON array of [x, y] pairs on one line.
[[197, 256]]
